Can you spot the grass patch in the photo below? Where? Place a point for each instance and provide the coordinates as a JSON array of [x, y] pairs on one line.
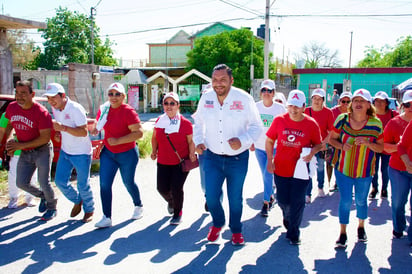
[[3, 181], [145, 144]]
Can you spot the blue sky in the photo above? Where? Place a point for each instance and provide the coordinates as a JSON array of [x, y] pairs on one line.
[[292, 33]]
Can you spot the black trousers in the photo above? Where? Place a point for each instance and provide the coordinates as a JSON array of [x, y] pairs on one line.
[[170, 181]]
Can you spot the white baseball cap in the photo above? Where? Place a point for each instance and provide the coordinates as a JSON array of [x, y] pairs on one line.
[[381, 95], [172, 95], [364, 93], [53, 89], [345, 94], [269, 84], [296, 98], [116, 86], [319, 92], [407, 96]]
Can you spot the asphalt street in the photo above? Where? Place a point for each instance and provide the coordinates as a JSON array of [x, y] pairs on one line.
[[151, 245]]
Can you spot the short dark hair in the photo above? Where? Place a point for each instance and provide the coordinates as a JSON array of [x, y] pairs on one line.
[[223, 67], [25, 83]]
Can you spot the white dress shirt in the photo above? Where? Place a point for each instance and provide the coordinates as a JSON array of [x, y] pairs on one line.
[[215, 124]]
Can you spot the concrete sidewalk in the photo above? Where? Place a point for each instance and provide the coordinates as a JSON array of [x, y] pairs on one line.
[[150, 245]]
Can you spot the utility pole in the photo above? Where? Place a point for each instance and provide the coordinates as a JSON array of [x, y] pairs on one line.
[[350, 53], [92, 13], [266, 49]]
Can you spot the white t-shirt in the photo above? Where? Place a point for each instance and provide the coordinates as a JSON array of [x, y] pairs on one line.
[[73, 115], [215, 124], [267, 114]]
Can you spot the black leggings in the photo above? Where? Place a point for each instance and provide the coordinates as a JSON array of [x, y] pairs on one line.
[[170, 181]]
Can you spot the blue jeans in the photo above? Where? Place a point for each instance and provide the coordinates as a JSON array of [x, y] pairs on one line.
[[110, 162], [40, 158], [401, 185], [291, 199], [320, 173], [233, 169], [268, 190], [384, 159], [202, 172], [64, 168], [346, 184]]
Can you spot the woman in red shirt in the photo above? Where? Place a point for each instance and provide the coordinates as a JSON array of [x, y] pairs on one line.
[[294, 132], [122, 128], [171, 142], [381, 103], [398, 142]]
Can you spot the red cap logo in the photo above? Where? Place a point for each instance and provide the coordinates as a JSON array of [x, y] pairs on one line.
[[295, 96]]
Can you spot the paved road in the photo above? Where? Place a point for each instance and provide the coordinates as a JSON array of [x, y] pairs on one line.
[[150, 245]]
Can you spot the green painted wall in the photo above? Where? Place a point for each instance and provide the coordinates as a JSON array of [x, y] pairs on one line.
[[175, 54], [371, 82]]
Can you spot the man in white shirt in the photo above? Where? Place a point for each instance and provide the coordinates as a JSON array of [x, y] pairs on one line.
[[76, 150], [227, 123]]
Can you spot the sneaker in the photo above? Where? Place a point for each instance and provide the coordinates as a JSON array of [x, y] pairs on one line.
[[272, 202], [176, 220], [42, 205], [137, 213], [237, 239], [321, 193], [341, 242], [29, 201], [334, 188], [362, 235], [77, 208], [397, 235], [104, 222], [12, 203], [373, 193], [264, 211], [308, 199], [295, 242], [50, 214], [170, 209], [88, 217], [384, 194], [214, 233]]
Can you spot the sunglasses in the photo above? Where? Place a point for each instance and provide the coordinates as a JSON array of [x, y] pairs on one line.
[[117, 94], [345, 102], [170, 104], [263, 90], [407, 105]]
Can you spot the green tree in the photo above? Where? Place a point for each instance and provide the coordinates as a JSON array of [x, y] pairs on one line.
[[398, 56], [234, 48], [68, 36], [22, 49]]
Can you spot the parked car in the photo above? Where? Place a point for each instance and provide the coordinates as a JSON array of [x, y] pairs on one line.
[[97, 141]]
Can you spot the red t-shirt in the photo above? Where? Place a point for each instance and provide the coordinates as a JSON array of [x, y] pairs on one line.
[[27, 123], [292, 137], [165, 153], [392, 134], [385, 119], [117, 125], [324, 118], [336, 112], [387, 116], [405, 145]]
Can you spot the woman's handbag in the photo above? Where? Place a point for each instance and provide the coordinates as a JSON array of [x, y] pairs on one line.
[[186, 164]]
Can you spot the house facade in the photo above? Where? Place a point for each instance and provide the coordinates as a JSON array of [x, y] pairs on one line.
[[350, 79]]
